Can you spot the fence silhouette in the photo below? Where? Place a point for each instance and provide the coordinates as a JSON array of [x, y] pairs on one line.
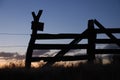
[[90, 34]]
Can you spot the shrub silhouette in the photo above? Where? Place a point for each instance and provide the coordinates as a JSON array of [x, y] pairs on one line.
[[116, 58]]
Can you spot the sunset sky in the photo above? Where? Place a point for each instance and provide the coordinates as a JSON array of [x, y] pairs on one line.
[[59, 16]]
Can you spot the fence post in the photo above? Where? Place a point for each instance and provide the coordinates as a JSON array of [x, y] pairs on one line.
[[36, 25], [30, 47], [29, 52], [91, 41]]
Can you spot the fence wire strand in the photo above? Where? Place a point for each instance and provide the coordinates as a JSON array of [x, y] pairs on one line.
[[13, 34]]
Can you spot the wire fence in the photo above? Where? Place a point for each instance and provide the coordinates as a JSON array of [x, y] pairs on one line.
[[12, 46], [13, 34]]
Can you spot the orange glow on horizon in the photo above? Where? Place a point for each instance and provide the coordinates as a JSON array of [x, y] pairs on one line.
[[14, 63]]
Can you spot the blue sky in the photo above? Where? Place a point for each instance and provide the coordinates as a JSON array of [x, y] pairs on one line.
[[59, 16]]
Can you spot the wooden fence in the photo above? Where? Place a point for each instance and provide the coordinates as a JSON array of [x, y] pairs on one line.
[[90, 34]]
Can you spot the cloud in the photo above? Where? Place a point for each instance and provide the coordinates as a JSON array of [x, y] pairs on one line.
[[8, 55], [40, 52], [15, 55], [51, 53], [112, 46], [75, 52]]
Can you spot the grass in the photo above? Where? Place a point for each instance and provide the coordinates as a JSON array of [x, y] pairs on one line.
[[82, 71]]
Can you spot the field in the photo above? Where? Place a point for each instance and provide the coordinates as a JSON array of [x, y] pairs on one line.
[[81, 71]]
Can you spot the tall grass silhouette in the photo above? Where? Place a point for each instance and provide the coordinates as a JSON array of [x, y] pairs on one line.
[[61, 71]]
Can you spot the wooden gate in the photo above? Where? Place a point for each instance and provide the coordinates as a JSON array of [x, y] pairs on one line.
[[90, 34]]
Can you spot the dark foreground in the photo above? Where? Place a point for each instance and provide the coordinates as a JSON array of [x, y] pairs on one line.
[[82, 72]]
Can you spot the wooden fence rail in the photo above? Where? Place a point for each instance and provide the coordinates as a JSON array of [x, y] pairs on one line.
[[90, 34]]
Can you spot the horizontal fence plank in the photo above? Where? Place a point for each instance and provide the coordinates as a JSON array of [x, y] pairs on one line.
[[102, 41], [63, 58], [60, 46], [107, 51], [108, 30], [59, 36]]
